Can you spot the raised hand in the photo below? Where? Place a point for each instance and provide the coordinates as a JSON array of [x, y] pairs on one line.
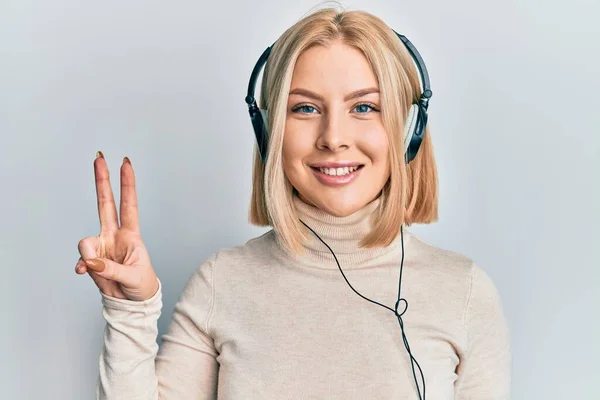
[[117, 259]]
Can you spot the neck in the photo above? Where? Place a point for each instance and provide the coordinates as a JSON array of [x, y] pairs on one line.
[[344, 236]]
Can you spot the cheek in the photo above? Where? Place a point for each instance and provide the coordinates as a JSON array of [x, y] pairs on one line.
[[296, 147], [297, 143], [375, 144]]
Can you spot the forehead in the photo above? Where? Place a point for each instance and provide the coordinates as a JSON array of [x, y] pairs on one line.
[[335, 69]]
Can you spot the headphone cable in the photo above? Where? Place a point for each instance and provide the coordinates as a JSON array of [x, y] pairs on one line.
[[399, 315]]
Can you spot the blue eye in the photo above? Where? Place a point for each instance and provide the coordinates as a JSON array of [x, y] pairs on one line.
[[364, 108], [305, 109]]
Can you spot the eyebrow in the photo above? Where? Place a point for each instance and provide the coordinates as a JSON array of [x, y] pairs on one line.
[[349, 96]]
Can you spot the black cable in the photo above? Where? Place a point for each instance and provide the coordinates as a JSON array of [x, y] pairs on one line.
[[413, 360]]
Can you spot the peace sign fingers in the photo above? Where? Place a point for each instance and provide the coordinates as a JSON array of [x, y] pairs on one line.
[[117, 259]]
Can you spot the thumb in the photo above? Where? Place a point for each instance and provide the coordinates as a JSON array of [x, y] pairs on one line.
[[125, 275]]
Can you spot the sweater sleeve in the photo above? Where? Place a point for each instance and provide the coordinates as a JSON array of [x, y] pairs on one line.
[[133, 367], [484, 372]]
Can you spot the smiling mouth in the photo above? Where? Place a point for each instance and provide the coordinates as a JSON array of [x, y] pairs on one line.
[[340, 171]]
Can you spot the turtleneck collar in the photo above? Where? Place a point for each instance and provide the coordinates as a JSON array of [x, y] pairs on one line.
[[343, 235]]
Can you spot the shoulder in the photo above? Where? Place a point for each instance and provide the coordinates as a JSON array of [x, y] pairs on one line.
[[458, 280], [253, 255], [256, 251], [450, 271], [438, 260], [232, 264]]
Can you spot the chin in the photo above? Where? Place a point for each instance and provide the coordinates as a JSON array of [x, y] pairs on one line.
[[338, 206]]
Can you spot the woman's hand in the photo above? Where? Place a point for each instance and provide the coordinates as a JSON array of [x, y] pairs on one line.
[[117, 259]]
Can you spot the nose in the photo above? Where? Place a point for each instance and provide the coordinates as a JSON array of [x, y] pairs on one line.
[[333, 136]]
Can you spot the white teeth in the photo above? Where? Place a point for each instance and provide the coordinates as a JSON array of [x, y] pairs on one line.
[[337, 171]]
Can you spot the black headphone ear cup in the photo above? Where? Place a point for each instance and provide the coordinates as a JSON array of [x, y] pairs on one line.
[[409, 126], [264, 144], [265, 118], [416, 137], [258, 123]]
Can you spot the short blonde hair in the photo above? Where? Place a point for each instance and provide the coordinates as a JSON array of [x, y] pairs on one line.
[[411, 193]]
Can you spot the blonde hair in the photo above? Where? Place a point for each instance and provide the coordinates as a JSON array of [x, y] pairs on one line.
[[411, 193]]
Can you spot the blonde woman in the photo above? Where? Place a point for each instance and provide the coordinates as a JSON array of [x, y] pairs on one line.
[[337, 300]]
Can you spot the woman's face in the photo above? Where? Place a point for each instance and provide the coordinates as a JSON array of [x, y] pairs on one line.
[[335, 149]]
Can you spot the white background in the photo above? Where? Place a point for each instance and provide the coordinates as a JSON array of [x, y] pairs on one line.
[[514, 120]]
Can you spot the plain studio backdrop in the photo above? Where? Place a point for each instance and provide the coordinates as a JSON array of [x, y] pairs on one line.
[[514, 120]]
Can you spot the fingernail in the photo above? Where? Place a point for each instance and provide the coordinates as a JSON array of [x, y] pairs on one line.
[[95, 265], [127, 160], [99, 154]]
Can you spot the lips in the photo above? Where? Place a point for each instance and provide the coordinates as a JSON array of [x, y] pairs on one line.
[[336, 174], [338, 164]]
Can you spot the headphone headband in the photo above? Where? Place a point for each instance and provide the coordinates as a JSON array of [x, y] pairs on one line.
[[427, 93], [250, 100]]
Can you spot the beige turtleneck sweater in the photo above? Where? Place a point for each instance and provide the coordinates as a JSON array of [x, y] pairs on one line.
[[255, 322]]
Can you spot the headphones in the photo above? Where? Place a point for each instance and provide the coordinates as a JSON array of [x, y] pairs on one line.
[[414, 125], [414, 129]]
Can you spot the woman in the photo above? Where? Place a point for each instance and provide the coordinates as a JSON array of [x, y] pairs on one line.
[[281, 317]]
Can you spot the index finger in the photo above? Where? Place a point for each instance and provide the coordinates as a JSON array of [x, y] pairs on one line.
[[129, 205], [107, 210]]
